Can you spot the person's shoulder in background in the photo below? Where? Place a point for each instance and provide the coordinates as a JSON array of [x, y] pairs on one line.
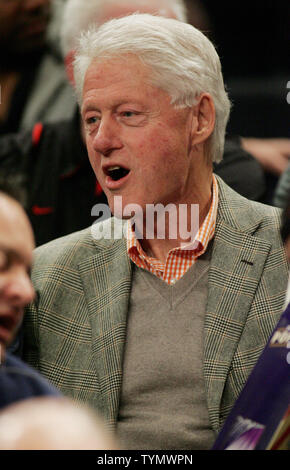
[[281, 196], [19, 381], [241, 171]]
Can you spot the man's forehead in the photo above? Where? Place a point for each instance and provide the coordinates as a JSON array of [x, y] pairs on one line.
[[20, 249], [117, 64], [16, 234], [120, 75]]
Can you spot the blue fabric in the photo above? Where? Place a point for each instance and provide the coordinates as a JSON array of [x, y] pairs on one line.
[[19, 381]]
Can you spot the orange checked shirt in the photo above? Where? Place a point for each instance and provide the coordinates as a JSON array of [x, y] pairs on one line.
[[179, 259]]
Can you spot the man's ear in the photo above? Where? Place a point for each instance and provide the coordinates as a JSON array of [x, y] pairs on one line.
[[203, 119]]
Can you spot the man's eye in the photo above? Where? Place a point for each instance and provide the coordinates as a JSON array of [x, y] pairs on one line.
[[92, 120], [132, 118], [128, 114]]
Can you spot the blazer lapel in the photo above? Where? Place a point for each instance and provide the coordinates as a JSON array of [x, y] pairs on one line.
[[236, 267], [106, 279]]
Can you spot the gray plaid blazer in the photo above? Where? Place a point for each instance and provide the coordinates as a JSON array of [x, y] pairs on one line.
[[75, 331]]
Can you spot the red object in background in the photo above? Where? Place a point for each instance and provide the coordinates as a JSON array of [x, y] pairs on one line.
[[98, 189], [36, 133], [36, 210]]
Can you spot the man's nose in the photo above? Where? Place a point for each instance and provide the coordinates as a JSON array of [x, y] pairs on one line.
[[19, 289], [107, 137]]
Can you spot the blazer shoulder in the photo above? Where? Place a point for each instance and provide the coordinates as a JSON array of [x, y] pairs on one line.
[[72, 249], [55, 250]]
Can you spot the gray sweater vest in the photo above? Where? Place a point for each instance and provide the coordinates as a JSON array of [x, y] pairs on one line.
[[163, 402]]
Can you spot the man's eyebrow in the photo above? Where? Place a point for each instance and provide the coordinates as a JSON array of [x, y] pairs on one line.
[[89, 107], [124, 102]]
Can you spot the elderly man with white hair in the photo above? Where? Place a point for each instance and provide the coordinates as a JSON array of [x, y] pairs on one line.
[[53, 156], [158, 330]]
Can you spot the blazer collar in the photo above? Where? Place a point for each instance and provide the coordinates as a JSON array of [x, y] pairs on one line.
[[236, 267], [106, 279]]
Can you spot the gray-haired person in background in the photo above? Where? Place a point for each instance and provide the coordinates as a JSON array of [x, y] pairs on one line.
[[158, 333]]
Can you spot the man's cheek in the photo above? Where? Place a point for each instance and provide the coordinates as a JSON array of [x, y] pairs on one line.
[[92, 159]]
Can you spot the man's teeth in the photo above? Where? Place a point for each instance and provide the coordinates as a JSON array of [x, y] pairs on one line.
[[114, 168], [117, 172]]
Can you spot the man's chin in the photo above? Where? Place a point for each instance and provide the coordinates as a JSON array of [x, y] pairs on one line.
[[121, 216], [125, 209]]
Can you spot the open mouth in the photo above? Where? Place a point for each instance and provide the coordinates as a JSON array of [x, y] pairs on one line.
[[7, 326], [117, 172]]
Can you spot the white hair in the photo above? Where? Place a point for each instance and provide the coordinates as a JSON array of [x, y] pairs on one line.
[[80, 15], [182, 61]]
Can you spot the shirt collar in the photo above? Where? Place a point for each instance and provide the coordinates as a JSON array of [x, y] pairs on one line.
[[200, 242]]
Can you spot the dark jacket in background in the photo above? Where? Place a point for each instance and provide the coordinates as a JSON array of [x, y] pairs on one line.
[[19, 381]]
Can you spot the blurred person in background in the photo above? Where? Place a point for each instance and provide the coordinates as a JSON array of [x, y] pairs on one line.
[[32, 77], [281, 195], [17, 380], [33, 415], [47, 423], [253, 42]]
